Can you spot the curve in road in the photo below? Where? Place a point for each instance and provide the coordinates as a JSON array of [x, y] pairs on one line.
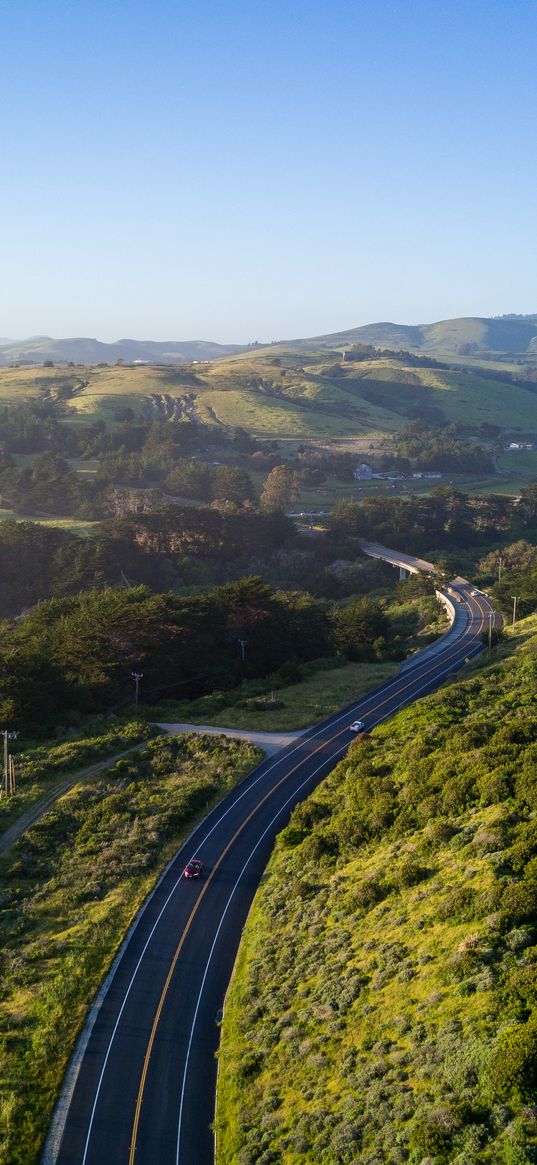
[[143, 1089]]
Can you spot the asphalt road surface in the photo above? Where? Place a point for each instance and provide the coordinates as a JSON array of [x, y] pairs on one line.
[[145, 1083]]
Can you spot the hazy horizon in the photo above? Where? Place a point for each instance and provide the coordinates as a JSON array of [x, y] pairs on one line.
[[81, 335]]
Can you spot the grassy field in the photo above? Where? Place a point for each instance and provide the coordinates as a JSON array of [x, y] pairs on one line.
[[289, 400], [383, 1006], [76, 525], [283, 709], [326, 687], [70, 889]]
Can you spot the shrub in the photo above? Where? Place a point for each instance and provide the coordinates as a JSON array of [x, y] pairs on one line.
[[512, 1068], [519, 901], [460, 905], [367, 894], [409, 872]]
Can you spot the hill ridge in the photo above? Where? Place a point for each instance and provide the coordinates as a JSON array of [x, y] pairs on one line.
[[460, 336]]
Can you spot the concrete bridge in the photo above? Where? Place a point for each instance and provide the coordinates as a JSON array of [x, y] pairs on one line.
[[407, 563]]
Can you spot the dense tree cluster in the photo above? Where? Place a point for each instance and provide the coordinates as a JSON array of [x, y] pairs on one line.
[[169, 549], [76, 655], [443, 450], [445, 518]]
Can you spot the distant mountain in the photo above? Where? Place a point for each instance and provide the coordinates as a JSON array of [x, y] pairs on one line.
[[508, 335], [82, 350], [468, 336]]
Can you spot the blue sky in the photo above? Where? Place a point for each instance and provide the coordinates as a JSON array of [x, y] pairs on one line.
[[238, 170]]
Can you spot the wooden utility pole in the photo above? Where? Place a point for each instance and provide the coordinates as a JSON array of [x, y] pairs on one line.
[[8, 784], [137, 676]]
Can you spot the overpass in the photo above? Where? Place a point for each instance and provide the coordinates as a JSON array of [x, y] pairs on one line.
[[407, 563]]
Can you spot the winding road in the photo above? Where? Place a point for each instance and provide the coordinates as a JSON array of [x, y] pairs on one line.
[[141, 1088]]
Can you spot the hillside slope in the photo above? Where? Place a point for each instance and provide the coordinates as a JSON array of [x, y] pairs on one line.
[[83, 350], [466, 336], [383, 1008], [280, 396]]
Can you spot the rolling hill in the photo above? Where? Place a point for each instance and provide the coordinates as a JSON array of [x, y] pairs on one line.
[[467, 336], [280, 395], [82, 350], [471, 335], [383, 1005]]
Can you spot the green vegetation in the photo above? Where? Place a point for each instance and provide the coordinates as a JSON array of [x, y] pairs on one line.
[[447, 519], [74, 657], [383, 1005], [70, 889], [301, 694], [273, 395], [283, 707], [38, 769]]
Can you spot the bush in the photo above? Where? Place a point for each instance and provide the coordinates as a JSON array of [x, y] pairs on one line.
[[512, 1069], [458, 906], [409, 872], [519, 902], [367, 894]]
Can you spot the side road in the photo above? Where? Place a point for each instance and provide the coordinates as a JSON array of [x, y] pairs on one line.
[[48, 799], [270, 742]]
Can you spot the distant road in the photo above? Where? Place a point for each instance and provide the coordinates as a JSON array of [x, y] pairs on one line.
[[141, 1089]]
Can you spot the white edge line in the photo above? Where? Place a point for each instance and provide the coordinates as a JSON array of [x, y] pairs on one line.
[[59, 1117], [220, 924], [225, 910]]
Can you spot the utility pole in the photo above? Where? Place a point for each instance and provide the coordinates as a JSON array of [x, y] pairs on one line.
[[9, 767], [500, 564], [243, 643], [490, 631], [137, 676], [514, 598]]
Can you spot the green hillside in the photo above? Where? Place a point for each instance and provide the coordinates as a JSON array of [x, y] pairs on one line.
[[314, 395], [465, 336], [383, 1008]]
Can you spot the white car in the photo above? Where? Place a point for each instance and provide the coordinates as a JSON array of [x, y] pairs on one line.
[[357, 726]]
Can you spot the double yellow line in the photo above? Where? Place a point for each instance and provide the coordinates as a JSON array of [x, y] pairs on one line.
[[207, 883]]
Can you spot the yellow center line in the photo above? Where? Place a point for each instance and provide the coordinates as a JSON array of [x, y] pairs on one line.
[[208, 881]]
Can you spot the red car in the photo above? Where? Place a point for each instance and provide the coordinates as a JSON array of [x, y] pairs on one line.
[[194, 868]]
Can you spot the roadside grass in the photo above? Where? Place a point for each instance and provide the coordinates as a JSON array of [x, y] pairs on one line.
[[352, 985], [284, 707], [383, 1004], [320, 688], [39, 769], [71, 887]]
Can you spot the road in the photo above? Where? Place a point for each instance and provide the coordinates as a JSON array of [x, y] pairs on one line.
[[141, 1091]]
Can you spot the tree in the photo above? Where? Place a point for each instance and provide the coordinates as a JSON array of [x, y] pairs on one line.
[[281, 489], [232, 485], [356, 626]]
